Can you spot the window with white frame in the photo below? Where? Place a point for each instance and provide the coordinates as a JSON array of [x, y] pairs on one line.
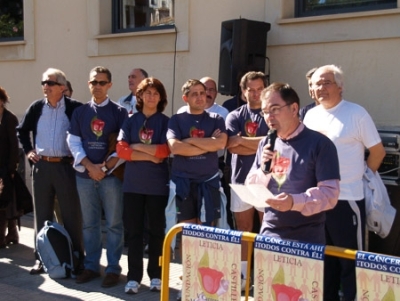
[[306, 8], [11, 20], [139, 15]]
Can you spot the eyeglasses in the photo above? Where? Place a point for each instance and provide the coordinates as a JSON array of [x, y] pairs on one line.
[[323, 84], [50, 83], [101, 83], [274, 111]]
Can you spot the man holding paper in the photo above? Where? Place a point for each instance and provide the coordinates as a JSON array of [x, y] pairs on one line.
[[304, 174]]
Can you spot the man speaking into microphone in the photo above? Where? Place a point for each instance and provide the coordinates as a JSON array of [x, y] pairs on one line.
[[300, 167], [271, 138]]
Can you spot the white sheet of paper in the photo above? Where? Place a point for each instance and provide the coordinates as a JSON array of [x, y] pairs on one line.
[[253, 194]]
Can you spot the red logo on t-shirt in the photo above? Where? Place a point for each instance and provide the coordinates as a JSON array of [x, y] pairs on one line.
[[280, 166], [145, 135], [196, 133], [251, 128], [97, 126]]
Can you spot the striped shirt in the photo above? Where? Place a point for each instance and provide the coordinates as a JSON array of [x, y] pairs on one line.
[[52, 131]]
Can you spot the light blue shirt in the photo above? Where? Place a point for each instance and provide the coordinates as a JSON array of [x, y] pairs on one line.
[[129, 105], [52, 131]]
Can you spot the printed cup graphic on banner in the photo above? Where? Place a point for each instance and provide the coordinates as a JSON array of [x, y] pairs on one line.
[[211, 280], [282, 292], [286, 293], [287, 270], [211, 265]]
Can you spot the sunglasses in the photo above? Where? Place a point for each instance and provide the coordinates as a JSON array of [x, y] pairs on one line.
[[101, 83], [50, 83]]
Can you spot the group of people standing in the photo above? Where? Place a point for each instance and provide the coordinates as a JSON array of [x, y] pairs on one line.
[[77, 152]]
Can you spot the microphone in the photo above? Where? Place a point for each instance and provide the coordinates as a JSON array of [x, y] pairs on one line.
[[271, 141]]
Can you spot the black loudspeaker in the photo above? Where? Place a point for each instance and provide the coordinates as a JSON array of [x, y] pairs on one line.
[[243, 48]]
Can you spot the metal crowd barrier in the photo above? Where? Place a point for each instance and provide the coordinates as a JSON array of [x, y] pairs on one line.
[[249, 237]]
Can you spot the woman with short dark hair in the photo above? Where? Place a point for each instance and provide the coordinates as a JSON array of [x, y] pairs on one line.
[[142, 143]]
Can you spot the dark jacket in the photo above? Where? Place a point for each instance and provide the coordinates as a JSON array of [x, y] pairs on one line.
[[29, 122], [8, 142], [207, 189], [8, 157]]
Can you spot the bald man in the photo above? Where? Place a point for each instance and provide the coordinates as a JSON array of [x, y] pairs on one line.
[[134, 78], [211, 93]]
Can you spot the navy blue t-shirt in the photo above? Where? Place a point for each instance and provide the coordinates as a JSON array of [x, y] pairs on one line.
[[300, 163], [249, 123], [93, 124], [185, 125], [145, 177]]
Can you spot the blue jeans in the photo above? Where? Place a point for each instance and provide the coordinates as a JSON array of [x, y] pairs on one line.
[[94, 196]]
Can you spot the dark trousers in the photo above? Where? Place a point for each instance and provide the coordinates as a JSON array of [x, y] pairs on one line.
[[136, 207], [341, 231], [225, 181], [57, 179]]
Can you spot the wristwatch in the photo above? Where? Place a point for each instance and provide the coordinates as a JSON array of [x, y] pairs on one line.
[[104, 169]]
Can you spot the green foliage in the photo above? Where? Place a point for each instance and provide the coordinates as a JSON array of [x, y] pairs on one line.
[[10, 28]]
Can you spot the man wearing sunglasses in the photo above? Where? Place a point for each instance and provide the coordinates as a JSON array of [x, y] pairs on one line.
[[48, 120], [92, 125]]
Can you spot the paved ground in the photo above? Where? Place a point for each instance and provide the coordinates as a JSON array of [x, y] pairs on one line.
[[17, 284]]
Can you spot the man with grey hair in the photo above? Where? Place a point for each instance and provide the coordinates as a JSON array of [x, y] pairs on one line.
[[48, 119], [351, 129], [134, 78]]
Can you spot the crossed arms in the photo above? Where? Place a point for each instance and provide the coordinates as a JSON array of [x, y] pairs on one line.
[[198, 146], [243, 145], [155, 153]]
